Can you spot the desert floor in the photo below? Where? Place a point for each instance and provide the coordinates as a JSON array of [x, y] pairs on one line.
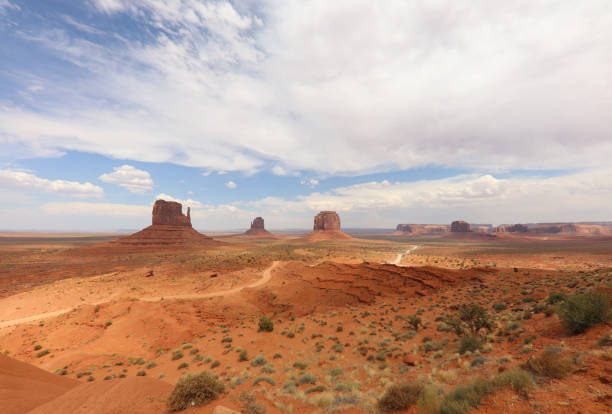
[[89, 329]]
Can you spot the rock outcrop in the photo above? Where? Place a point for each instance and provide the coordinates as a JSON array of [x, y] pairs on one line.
[[170, 213], [257, 229], [327, 227], [460, 226]]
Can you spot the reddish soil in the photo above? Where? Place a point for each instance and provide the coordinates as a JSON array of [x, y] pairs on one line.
[[340, 314], [23, 386]]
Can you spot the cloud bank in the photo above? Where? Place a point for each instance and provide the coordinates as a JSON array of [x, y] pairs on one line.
[[343, 87]]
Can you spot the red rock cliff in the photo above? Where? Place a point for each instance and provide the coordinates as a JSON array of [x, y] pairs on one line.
[[327, 221], [170, 213]]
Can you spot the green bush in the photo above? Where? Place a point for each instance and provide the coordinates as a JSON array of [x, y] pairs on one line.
[[193, 390], [243, 356], [476, 318], [549, 364], [400, 397], [463, 399], [582, 311], [266, 324], [469, 343]]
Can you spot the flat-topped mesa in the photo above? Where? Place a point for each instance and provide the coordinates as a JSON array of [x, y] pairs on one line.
[[460, 226], [417, 229], [327, 221], [170, 213]]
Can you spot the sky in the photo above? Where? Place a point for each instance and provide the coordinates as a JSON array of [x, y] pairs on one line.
[[402, 111]]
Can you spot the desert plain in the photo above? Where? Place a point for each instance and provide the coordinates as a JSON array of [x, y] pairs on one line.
[[103, 323]]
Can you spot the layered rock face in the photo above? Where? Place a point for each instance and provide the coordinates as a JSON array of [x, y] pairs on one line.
[[170, 213], [327, 221], [327, 227], [257, 229], [460, 226]]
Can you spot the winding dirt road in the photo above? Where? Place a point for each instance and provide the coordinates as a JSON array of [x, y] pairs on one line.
[[398, 259], [266, 276]]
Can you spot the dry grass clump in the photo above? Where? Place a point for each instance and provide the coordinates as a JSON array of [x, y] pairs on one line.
[[193, 390], [400, 397], [549, 364]]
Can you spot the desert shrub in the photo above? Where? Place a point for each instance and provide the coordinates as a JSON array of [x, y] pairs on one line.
[[42, 353], [414, 321], [251, 405], [430, 400], [400, 397], [549, 364], [519, 380], [605, 340], [582, 311], [300, 365], [177, 355], [243, 356], [266, 324], [476, 318], [183, 365], [194, 389], [318, 388], [555, 298], [151, 365], [498, 307], [38, 347], [141, 373], [307, 378], [258, 361], [264, 379], [469, 343], [462, 399]]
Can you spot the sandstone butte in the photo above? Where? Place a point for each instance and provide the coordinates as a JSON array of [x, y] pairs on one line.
[[258, 230], [327, 227], [169, 227], [460, 226]]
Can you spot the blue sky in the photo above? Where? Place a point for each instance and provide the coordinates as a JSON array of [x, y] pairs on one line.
[[417, 111]]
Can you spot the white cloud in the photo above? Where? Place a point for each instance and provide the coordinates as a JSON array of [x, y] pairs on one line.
[[313, 182], [577, 196], [186, 202], [26, 181], [351, 89], [231, 185], [132, 179]]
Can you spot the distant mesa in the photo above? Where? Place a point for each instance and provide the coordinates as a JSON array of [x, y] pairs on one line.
[[170, 227], [460, 226], [327, 227], [420, 229], [257, 230]]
